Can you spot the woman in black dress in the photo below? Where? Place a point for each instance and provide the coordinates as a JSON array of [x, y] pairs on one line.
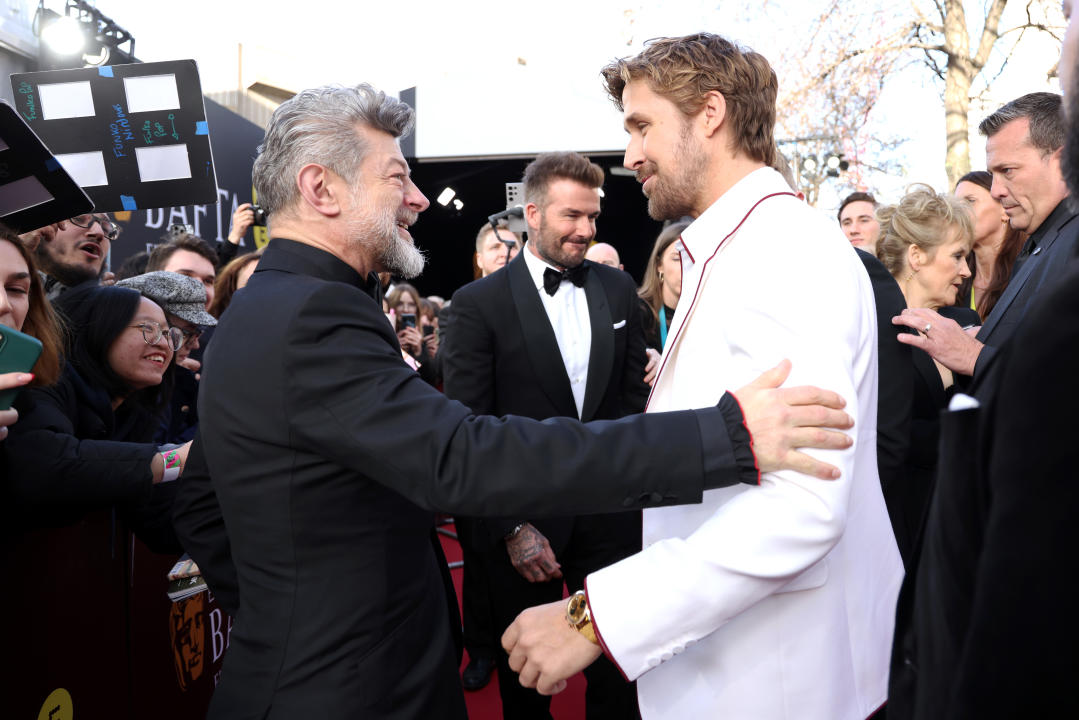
[[924, 243]]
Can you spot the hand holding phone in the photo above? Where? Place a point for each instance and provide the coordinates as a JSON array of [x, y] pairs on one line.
[[408, 320], [18, 353]]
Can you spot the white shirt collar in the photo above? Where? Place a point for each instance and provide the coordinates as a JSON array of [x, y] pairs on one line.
[[704, 235]]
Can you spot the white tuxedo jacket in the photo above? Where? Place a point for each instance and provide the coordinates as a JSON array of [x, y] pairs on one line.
[[776, 601]]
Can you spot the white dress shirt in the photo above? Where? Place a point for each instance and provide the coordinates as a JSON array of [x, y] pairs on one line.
[[567, 310]]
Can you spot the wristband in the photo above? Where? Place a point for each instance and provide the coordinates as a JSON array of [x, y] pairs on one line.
[[172, 465]]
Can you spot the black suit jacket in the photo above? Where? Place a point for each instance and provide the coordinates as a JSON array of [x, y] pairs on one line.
[[986, 624], [501, 357], [1056, 245], [329, 457]]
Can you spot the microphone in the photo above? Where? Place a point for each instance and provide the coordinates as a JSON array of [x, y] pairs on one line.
[[515, 211]]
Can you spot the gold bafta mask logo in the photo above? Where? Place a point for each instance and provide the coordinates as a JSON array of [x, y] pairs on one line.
[[187, 620]]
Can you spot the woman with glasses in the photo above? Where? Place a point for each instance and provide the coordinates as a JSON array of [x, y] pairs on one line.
[[84, 443]]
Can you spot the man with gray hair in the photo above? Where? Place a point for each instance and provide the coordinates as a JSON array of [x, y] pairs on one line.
[[330, 456]]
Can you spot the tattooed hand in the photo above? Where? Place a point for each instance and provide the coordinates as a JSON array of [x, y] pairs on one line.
[[531, 554]]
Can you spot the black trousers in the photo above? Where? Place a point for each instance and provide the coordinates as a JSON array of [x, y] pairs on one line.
[[596, 542]]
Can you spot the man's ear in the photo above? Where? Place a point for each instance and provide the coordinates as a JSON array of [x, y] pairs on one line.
[[532, 215], [320, 188], [713, 113]]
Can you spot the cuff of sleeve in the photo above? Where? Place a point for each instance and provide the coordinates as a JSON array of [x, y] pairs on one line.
[[599, 636], [741, 439]]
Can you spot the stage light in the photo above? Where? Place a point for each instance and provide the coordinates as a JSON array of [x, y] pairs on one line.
[[457, 203], [833, 162], [810, 164], [445, 196], [64, 35]]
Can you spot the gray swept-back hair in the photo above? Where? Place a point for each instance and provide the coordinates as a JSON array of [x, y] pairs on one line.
[[319, 126]]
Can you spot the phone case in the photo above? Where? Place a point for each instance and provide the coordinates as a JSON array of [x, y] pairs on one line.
[[18, 353]]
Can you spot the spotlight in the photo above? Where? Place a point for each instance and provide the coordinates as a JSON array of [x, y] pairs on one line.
[[64, 35], [445, 196], [458, 204], [833, 162], [810, 164]]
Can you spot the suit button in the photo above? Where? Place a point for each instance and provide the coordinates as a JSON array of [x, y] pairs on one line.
[[667, 656], [656, 497], [653, 662], [677, 649], [629, 502]]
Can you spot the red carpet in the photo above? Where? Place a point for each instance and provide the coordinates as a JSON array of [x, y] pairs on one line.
[[484, 704]]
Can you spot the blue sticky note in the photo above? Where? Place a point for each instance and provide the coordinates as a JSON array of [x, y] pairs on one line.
[[105, 71], [201, 128], [128, 202], [52, 164]]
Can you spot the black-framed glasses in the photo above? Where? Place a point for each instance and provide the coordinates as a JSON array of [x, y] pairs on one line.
[[152, 332], [108, 228]]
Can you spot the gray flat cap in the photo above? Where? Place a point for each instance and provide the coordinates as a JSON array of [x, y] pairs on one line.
[[178, 294]]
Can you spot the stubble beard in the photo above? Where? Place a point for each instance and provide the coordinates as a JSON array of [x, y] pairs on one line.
[[69, 275], [550, 248], [673, 196]]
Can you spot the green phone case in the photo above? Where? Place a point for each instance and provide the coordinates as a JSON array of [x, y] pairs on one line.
[[18, 353]]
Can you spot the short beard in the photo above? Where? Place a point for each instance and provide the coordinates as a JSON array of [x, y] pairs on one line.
[[673, 197], [390, 252], [67, 275]]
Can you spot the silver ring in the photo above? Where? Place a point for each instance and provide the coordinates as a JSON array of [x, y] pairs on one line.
[[928, 327]]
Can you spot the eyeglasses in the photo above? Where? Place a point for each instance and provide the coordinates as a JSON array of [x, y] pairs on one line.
[[152, 332], [108, 228], [190, 335]]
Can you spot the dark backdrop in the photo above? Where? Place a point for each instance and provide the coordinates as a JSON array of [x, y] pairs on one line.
[[448, 236]]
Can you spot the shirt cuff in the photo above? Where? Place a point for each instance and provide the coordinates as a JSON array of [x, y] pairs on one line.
[[741, 439]]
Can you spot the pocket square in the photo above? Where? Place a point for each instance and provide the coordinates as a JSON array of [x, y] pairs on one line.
[[619, 325]]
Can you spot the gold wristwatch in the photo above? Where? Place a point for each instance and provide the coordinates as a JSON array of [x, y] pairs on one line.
[[579, 617]]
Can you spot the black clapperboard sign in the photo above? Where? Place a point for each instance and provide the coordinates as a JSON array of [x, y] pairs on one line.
[[35, 190], [133, 136]]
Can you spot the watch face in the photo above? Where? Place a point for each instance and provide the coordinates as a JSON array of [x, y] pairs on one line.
[[576, 609]]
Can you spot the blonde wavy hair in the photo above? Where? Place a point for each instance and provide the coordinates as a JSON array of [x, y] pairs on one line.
[[923, 217]]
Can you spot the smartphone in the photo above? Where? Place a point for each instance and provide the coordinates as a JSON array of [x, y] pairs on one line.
[[18, 353], [428, 330], [408, 320]]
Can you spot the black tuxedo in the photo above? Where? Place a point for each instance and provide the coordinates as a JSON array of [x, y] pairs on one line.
[[501, 357], [1051, 246], [986, 624], [330, 456]]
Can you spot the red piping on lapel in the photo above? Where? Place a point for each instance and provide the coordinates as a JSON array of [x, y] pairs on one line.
[[671, 340]]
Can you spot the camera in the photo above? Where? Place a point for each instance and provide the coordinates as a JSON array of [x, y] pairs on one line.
[[260, 216]]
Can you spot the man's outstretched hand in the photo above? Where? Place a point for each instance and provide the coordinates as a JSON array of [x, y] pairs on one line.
[[544, 650], [781, 420]]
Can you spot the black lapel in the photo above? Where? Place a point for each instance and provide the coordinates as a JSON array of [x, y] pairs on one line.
[[1015, 285], [928, 370], [601, 356], [540, 342]]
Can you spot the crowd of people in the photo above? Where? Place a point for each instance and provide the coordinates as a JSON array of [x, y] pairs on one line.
[[777, 475]]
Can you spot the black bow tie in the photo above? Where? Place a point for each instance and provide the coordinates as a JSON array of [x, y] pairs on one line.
[[553, 278]]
